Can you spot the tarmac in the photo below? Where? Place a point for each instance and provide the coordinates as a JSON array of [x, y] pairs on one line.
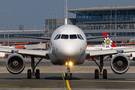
[[52, 78]]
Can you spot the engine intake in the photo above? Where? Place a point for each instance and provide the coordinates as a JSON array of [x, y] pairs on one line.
[[120, 63], [15, 63]]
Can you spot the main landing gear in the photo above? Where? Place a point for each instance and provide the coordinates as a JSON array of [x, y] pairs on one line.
[[97, 73], [68, 75], [33, 66]]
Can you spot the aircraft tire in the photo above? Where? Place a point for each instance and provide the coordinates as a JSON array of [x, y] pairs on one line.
[[37, 74], [96, 74], [104, 74], [70, 76], [65, 75], [29, 74]]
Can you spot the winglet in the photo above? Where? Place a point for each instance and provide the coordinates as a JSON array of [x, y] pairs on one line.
[[107, 40]]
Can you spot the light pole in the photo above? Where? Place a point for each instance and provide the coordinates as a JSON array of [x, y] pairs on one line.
[[44, 29], [4, 23], [8, 26], [35, 27], [115, 22], [48, 22], [52, 19], [111, 21]]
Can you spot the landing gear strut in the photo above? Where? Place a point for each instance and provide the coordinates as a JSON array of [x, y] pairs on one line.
[[33, 66], [68, 75], [97, 73]]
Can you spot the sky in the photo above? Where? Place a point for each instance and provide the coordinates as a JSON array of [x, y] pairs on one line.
[[32, 13]]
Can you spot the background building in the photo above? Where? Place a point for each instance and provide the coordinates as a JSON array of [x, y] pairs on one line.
[[119, 21], [14, 39], [52, 24]]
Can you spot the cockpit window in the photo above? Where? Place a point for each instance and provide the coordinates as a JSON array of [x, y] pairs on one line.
[[64, 36], [79, 36], [73, 36], [57, 37]]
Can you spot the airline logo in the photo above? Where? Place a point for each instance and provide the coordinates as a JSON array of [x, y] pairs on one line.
[[108, 42]]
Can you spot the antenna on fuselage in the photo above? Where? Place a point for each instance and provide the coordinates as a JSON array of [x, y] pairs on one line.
[[66, 14]]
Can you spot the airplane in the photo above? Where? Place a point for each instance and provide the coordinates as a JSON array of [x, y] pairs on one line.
[[68, 47]]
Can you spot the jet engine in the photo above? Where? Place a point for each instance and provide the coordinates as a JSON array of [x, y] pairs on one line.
[[15, 63], [120, 63]]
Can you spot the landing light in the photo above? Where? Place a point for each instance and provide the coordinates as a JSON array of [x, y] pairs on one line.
[[69, 63], [66, 63]]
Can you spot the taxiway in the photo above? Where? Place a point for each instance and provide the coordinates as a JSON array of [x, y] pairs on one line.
[[52, 78]]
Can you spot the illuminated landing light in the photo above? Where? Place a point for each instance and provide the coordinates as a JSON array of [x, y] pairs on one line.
[[66, 63], [69, 63]]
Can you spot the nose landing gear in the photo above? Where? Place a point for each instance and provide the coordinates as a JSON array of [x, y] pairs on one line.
[[68, 75]]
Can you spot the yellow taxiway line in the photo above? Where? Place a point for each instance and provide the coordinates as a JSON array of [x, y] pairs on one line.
[[67, 82], [68, 85], [22, 87]]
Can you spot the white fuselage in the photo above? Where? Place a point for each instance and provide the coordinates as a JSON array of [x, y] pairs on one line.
[[68, 45]]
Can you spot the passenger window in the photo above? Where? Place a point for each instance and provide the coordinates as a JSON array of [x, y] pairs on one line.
[[79, 36], [73, 36], [57, 37], [64, 36]]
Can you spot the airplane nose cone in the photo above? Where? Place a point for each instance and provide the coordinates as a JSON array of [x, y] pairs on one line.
[[69, 51]]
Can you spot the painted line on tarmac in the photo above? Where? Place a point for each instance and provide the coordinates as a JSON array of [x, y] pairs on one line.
[[13, 86], [68, 85], [63, 75], [67, 82], [22, 87]]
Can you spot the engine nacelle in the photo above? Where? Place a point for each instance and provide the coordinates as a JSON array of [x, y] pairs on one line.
[[120, 63], [15, 63]]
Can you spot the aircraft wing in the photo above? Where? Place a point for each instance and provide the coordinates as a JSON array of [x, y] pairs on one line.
[[43, 38], [33, 52], [92, 53], [40, 53]]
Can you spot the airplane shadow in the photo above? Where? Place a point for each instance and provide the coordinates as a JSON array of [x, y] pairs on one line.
[[75, 76]]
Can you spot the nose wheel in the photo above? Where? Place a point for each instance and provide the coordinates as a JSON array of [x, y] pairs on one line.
[[68, 75]]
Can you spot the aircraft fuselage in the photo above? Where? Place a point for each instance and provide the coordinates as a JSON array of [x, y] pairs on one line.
[[68, 43]]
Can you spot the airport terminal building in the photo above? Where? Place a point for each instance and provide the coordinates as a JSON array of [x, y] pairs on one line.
[[119, 21]]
